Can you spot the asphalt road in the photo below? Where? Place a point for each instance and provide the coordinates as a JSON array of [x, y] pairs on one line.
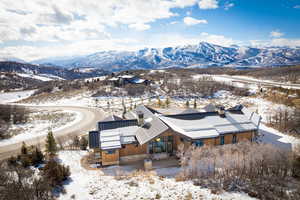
[[90, 117], [261, 82]]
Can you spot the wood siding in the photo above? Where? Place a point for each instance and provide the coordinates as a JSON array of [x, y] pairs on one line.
[[132, 149], [110, 159]]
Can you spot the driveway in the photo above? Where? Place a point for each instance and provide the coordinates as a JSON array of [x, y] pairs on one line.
[[88, 121]]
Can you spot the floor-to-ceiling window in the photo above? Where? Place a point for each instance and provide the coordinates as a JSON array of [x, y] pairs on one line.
[[163, 144]]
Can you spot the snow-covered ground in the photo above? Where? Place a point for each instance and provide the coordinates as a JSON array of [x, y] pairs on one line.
[[94, 184], [100, 78], [41, 77], [85, 100], [245, 81], [38, 128], [8, 97], [271, 136], [228, 80]]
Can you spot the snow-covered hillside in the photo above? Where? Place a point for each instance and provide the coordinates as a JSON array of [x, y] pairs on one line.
[[200, 55], [47, 73]]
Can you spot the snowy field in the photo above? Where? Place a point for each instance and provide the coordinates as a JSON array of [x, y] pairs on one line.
[[37, 128], [85, 100], [32, 76], [8, 97], [245, 81], [95, 185]]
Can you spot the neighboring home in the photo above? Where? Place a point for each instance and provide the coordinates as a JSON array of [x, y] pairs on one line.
[[127, 79], [146, 133]]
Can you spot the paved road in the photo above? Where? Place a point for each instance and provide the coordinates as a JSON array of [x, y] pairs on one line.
[[90, 117], [261, 82]]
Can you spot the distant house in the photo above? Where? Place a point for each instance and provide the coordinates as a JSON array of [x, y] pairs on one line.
[[127, 79], [147, 133]]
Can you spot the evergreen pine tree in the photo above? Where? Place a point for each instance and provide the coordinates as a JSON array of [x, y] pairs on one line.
[[187, 104], [76, 141], [159, 102], [168, 102], [51, 147], [37, 156], [124, 111], [83, 143], [24, 149]]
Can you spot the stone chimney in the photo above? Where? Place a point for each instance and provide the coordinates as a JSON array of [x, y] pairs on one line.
[[221, 111], [140, 118]]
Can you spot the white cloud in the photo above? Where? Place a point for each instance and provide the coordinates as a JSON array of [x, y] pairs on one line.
[[190, 21], [140, 27], [297, 6], [228, 6], [280, 42], [276, 34], [65, 16], [286, 42], [174, 22], [217, 39], [208, 4]]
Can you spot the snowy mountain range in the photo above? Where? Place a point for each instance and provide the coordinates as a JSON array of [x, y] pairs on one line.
[[200, 55], [47, 73]]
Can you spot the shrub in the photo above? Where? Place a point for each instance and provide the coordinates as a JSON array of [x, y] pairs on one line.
[[261, 170], [55, 172], [83, 143]]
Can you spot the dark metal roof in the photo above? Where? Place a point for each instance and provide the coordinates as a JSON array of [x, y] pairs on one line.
[[94, 139], [104, 125], [192, 116]]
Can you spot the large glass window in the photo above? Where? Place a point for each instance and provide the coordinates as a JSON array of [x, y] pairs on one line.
[[234, 139], [110, 151], [222, 140], [161, 145], [198, 143]]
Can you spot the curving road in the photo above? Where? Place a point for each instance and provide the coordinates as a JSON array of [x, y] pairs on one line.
[[88, 121], [267, 83]]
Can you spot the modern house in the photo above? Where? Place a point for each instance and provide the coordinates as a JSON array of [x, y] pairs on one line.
[[127, 79], [146, 133]]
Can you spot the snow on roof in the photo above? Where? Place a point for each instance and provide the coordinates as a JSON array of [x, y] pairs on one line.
[[110, 140], [126, 76], [193, 125], [111, 145], [113, 79], [157, 127], [138, 80], [207, 125], [113, 138], [235, 128], [128, 139]]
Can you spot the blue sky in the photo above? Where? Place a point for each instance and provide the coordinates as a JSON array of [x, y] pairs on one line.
[[38, 29]]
